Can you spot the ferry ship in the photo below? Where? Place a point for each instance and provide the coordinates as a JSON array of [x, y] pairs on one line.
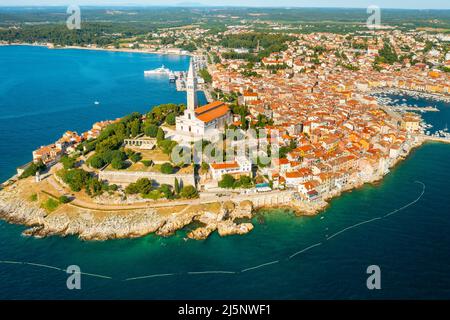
[[158, 71]]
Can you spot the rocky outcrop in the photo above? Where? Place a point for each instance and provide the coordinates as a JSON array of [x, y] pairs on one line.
[[201, 233], [228, 228], [85, 224], [93, 225], [223, 221], [176, 222], [243, 210], [16, 210]]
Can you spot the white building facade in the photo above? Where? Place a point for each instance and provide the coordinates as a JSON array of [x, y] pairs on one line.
[[204, 122]]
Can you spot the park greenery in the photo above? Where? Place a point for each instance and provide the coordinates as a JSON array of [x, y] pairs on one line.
[[109, 148], [387, 54], [167, 168], [205, 75], [32, 169], [259, 44], [229, 182], [68, 162], [148, 189]]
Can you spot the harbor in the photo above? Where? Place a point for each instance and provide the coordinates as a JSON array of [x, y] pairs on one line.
[[400, 104], [385, 92], [179, 77]]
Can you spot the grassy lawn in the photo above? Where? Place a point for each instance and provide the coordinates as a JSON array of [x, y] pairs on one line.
[[155, 155], [50, 205]]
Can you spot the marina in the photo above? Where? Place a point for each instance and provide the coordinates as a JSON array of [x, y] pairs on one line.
[[385, 92]]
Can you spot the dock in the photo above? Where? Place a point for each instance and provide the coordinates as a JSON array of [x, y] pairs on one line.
[[412, 108], [436, 139]]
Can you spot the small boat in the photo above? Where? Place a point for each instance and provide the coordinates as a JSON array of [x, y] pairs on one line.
[[172, 77], [96, 102]]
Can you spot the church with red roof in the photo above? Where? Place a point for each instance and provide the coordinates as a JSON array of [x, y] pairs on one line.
[[201, 122]]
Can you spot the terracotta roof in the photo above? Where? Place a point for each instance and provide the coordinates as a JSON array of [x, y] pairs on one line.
[[281, 161], [293, 175], [208, 107], [225, 165], [211, 111]]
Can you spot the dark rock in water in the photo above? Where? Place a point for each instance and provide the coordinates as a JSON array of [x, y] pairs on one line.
[[261, 219], [34, 231]]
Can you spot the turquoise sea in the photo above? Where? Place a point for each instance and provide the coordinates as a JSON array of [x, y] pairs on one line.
[[45, 92]]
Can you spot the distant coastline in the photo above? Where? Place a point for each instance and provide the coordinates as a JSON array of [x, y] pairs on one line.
[[52, 46]]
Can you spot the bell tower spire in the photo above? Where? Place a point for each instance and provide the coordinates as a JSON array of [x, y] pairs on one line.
[[191, 88]]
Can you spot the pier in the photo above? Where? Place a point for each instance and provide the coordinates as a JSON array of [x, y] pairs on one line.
[[412, 108], [436, 139]]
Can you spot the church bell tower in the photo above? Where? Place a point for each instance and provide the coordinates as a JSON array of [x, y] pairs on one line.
[[191, 88]]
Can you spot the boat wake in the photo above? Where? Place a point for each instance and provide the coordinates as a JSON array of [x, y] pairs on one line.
[[52, 267]]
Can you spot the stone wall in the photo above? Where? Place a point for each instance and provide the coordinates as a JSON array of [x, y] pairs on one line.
[[126, 177], [274, 198]]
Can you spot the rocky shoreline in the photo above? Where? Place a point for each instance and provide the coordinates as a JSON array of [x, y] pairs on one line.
[[88, 225]]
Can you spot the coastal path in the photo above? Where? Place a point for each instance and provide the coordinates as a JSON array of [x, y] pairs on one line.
[[258, 199]]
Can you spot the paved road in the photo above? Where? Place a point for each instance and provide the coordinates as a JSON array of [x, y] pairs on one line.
[[160, 204]]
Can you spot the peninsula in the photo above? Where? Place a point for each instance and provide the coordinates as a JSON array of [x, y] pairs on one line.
[[292, 122]]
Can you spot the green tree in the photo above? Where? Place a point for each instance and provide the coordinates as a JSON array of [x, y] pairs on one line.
[[142, 186], [136, 157], [204, 167], [75, 178], [64, 199], [96, 186], [135, 127], [171, 119], [118, 164], [166, 190], [205, 75], [147, 163], [189, 192], [167, 145], [227, 181], [68, 162], [167, 168], [160, 135], [31, 170], [96, 161], [151, 130], [245, 182], [177, 186]]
